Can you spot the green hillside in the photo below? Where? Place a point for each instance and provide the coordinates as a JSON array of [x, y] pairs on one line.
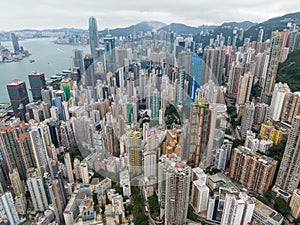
[[289, 71]]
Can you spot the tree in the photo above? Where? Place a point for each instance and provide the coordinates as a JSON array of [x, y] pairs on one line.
[[297, 221], [191, 215], [237, 142], [281, 206]]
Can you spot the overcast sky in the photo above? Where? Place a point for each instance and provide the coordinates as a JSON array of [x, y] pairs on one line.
[[40, 14]]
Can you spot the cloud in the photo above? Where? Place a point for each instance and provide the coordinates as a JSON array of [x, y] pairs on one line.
[[39, 14]]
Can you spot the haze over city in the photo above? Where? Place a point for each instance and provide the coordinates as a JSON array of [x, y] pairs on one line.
[[34, 14]]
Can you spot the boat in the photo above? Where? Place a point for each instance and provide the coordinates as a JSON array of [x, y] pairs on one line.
[[31, 60]]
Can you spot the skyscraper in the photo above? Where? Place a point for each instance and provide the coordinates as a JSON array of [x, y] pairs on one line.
[[277, 101], [68, 165], [93, 34], [199, 131], [15, 42], [109, 52], [135, 153], [18, 97], [275, 56], [237, 210], [289, 172], [78, 61], [37, 191], [247, 118], [16, 183], [252, 170], [37, 83], [8, 209], [244, 88], [90, 80], [174, 179], [181, 86]]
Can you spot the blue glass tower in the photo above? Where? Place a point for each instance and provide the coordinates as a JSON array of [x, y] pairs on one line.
[[196, 75]]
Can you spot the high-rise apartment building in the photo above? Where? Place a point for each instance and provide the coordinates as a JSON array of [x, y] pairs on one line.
[[244, 89], [252, 170], [290, 107], [40, 137], [295, 203], [173, 190], [200, 192], [18, 97], [16, 182], [8, 209], [214, 60], [36, 190], [68, 165], [58, 201], [93, 35], [199, 131], [247, 118], [275, 57], [289, 172], [277, 101], [134, 150]]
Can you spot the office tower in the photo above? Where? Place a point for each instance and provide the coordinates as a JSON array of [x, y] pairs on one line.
[[16, 182], [93, 34], [170, 41], [36, 190], [68, 165], [254, 171], [260, 35], [234, 80], [289, 172], [155, 104], [8, 209], [58, 203], [247, 118], [196, 75], [199, 132], [295, 204], [237, 209], [244, 89], [84, 172], [277, 101], [15, 43], [39, 136], [78, 62], [37, 83], [181, 87], [109, 52], [174, 179], [18, 97], [135, 152], [200, 192], [275, 56], [290, 107], [90, 79]]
